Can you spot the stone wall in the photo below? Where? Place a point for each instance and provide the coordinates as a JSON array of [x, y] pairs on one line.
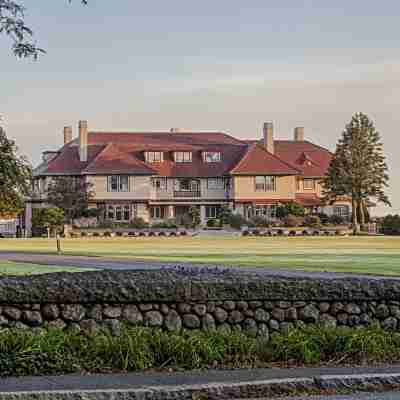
[[256, 305]]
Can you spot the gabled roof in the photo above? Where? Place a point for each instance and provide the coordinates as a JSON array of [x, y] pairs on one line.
[[308, 199], [310, 159], [258, 161]]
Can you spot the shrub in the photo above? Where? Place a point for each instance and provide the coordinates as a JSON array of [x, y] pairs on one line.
[[194, 214], [138, 223], [312, 221], [291, 208], [336, 220], [292, 221], [91, 212], [236, 221], [224, 214], [107, 234], [246, 233], [212, 223], [259, 222], [324, 218], [184, 220]]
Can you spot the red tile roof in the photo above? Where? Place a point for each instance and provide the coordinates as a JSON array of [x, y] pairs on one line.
[[308, 200], [258, 161], [122, 152]]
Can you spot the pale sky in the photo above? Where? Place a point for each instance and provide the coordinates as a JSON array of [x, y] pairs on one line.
[[223, 65]]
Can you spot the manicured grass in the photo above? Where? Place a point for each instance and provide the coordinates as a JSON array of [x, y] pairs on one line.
[[376, 255], [12, 268]]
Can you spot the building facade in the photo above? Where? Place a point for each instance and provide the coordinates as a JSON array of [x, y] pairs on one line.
[[159, 175]]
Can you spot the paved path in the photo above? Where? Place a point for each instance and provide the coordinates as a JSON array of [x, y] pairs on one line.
[[125, 264], [358, 396], [140, 380]]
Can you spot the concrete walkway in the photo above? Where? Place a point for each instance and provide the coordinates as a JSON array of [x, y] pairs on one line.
[[126, 264], [174, 382]]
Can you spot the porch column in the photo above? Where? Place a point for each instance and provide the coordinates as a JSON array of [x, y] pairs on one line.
[[203, 219], [28, 219], [170, 212]]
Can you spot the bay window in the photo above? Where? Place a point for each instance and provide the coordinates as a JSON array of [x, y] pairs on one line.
[[118, 183], [265, 183]]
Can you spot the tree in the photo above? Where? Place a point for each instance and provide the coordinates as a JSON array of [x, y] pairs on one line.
[[70, 194], [358, 169], [15, 177], [291, 208], [12, 24], [194, 214], [51, 218]]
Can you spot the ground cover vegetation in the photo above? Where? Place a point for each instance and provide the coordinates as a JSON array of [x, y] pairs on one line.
[[19, 268], [136, 349], [358, 254]]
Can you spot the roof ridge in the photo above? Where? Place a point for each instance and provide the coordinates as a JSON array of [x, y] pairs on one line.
[[95, 158]]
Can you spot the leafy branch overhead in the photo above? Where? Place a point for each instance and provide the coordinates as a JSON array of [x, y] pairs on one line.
[[12, 25]]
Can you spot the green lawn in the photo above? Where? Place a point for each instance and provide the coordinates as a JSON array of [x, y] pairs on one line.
[[13, 268], [379, 255]]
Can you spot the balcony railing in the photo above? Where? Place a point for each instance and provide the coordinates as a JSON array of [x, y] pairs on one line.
[[187, 193]]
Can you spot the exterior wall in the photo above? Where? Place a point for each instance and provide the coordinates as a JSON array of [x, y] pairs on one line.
[[244, 188], [329, 210], [139, 188], [317, 187]]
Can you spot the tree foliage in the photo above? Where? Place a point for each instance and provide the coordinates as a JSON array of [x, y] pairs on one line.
[[70, 194], [15, 177], [52, 218], [291, 208], [358, 169], [12, 24]]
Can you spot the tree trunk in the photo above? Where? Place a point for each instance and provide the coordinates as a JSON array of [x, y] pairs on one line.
[[362, 213], [356, 225]]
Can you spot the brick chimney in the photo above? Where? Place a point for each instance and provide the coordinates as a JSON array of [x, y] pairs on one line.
[[299, 134], [83, 140], [177, 130], [67, 134], [268, 136]]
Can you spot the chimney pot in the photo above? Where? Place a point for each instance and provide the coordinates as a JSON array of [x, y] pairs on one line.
[[67, 134], [299, 134], [83, 140], [268, 136]]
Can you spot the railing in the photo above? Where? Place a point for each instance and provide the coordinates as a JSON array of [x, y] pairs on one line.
[[187, 194]]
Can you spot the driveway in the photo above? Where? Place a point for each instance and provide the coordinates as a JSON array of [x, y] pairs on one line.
[[124, 264]]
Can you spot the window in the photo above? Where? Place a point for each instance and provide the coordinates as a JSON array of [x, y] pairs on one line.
[[212, 211], [118, 183], [153, 156], [215, 183], [160, 184], [265, 183], [308, 184], [183, 156], [157, 212], [342, 211], [267, 212], [118, 213], [211, 156]]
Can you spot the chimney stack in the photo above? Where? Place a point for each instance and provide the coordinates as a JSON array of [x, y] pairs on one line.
[[299, 134], [67, 134], [268, 136], [83, 140], [177, 130]]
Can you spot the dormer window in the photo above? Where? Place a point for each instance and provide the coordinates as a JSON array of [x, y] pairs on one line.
[[183, 156], [211, 156], [153, 156]]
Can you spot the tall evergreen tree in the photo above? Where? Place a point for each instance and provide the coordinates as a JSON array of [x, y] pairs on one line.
[[15, 177], [358, 169]]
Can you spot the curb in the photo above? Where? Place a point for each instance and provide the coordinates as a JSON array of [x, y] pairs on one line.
[[223, 391]]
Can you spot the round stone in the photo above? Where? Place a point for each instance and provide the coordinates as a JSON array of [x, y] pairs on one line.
[[112, 312], [389, 324], [224, 329], [250, 327], [96, 312], [365, 319], [113, 325], [153, 319], [145, 307], [89, 326], [352, 309], [32, 318], [353, 320], [50, 312], [336, 308], [382, 311], [200, 309], [73, 312], [269, 305], [184, 308], [328, 321], [285, 327], [229, 305], [164, 309], [12, 313], [208, 323], [173, 322], [132, 314], [57, 324], [255, 304], [291, 314], [191, 321], [261, 315], [242, 305], [309, 313], [278, 314], [220, 315], [263, 331], [395, 311], [273, 324], [235, 317], [324, 307], [210, 307], [282, 304], [342, 318]]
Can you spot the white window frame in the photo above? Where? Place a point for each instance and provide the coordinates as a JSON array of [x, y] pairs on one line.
[[268, 183], [112, 211], [211, 156], [121, 184], [156, 212], [160, 184], [183, 156], [307, 186], [154, 156], [212, 212], [341, 210], [217, 183]]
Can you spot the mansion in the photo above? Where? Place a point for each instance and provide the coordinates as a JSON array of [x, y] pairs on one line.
[[159, 175]]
